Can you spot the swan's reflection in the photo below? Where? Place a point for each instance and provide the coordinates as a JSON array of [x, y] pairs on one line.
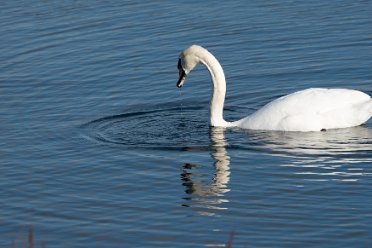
[[331, 143], [204, 195], [340, 154]]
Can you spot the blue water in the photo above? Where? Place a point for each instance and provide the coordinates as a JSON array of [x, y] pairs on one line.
[[100, 149]]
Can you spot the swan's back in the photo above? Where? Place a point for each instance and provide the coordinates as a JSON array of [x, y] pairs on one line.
[[312, 110]]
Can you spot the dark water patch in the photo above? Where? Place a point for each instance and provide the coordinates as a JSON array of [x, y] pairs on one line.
[[165, 129]]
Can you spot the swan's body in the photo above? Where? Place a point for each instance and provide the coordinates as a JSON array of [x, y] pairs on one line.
[[307, 110]]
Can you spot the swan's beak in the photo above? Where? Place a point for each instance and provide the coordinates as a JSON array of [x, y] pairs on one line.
[[182, 74], [181, 78]]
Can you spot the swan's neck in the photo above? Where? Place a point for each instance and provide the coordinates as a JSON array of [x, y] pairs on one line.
[[218, 89]]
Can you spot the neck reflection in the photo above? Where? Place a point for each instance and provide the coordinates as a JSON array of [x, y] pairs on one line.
[[207, 194]]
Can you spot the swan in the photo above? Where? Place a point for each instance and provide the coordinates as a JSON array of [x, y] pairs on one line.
[[314, 109]]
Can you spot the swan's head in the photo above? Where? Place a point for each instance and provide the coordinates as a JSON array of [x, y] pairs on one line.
[[188, 59]]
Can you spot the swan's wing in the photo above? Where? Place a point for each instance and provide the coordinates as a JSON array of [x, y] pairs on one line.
[[310, 110], [318, 100]]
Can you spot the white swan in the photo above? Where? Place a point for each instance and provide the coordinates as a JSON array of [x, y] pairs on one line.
[[307, 110]]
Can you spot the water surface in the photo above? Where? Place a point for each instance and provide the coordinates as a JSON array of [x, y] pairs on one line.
[[100, 149]]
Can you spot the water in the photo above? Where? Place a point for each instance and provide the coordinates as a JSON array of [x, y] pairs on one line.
[[100, 149]]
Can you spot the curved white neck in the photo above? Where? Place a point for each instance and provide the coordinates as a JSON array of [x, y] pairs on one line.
[[218, 89]]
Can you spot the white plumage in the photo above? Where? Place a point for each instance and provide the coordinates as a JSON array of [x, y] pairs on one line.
[[313, 109]]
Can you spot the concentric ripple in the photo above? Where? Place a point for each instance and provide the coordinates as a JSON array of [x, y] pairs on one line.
[[179, 128], [164, 128]]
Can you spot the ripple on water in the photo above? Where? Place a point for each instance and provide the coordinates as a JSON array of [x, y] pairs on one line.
[[177, 128], [334, 154], [164, 128]]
